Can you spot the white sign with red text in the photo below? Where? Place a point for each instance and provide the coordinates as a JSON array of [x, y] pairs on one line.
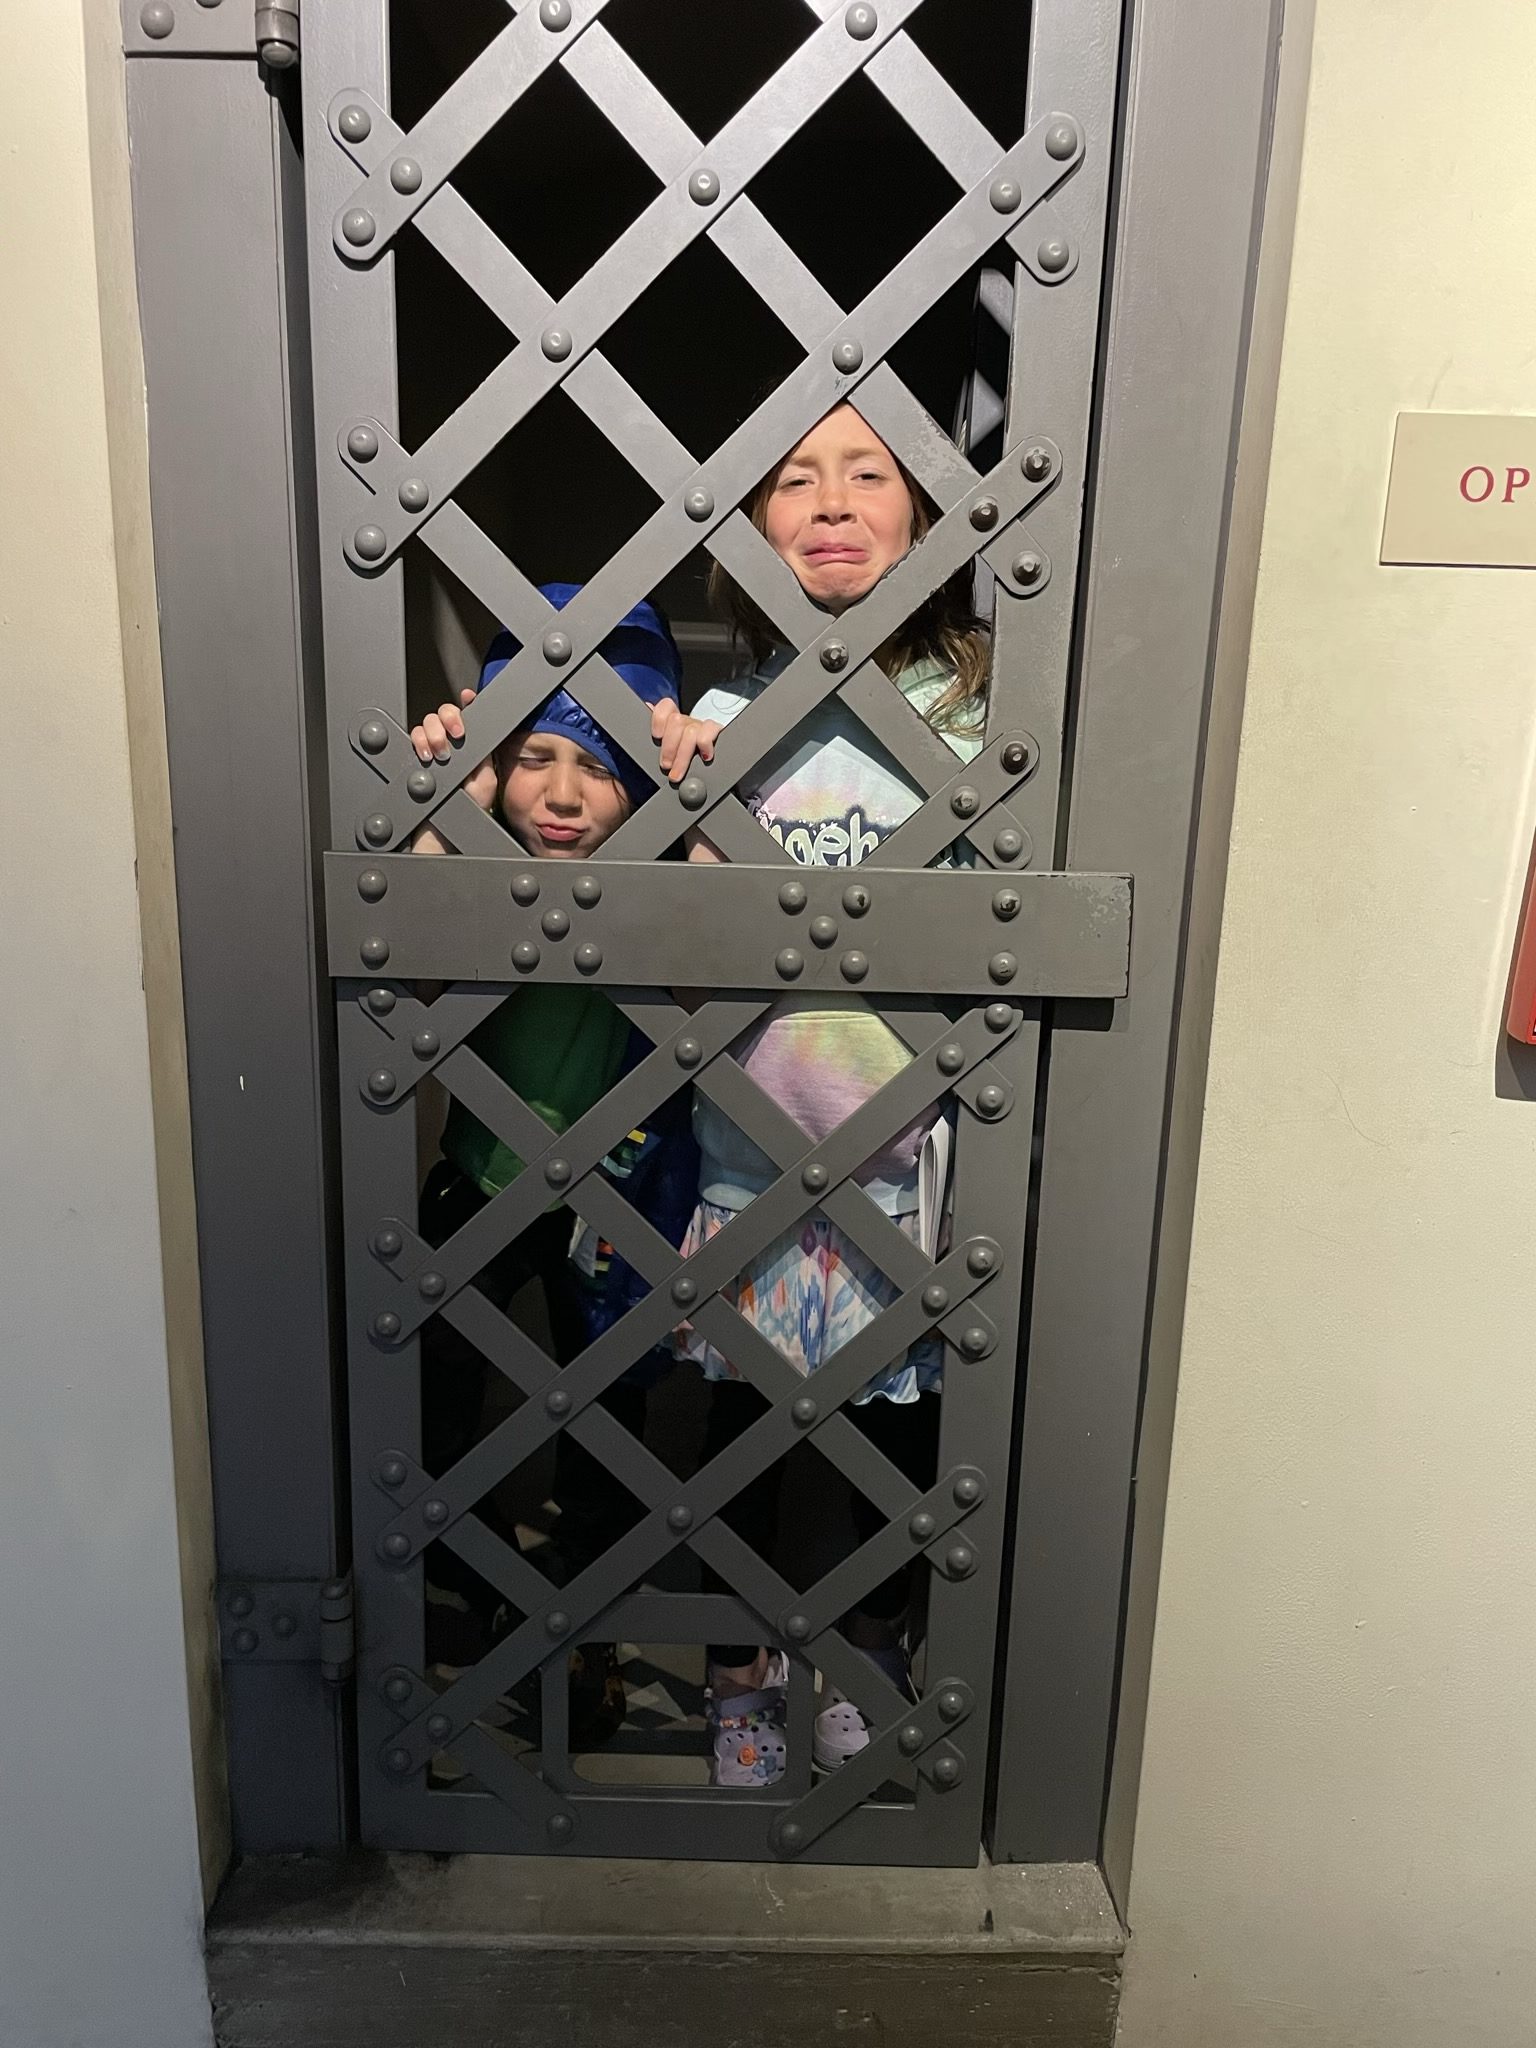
[[1461, 493]]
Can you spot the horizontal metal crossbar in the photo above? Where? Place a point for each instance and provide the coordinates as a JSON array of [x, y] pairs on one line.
[[689, 925]]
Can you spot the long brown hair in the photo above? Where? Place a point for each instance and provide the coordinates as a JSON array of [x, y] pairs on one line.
[[944, 627]]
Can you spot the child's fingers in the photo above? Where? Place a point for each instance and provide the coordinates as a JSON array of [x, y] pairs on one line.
[[663, 711], [452, 720], [682, 758], [437, 738], [421, 743], [467, 696]]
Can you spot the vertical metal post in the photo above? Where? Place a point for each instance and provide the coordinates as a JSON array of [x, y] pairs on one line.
[[215, 179]]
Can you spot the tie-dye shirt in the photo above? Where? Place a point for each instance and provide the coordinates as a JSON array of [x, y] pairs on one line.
[[829, 794]]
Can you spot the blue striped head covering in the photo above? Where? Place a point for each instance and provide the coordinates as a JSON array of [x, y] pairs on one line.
[[640, 649]]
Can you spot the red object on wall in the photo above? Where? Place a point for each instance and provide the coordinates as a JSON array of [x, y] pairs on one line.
[[1520, 1016]]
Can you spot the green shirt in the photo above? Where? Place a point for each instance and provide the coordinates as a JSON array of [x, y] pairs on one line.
[[560, 1048]]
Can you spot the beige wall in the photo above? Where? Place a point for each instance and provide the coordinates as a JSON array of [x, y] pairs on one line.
[[100, 1892], [1336, 1837]]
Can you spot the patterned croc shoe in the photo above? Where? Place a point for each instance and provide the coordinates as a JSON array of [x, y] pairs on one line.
[[841, 1731], [747, 1732]]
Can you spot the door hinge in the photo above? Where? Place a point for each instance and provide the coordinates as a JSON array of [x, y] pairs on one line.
[[277, 35], [289, 1621]]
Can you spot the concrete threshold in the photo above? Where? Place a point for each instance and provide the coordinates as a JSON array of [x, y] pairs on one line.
[[384, 1950]]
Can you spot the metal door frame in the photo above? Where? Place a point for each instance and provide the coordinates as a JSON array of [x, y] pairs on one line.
[[226, 369]]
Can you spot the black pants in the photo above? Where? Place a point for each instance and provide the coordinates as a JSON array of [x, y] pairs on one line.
[[594, 1508], [906, 1431]]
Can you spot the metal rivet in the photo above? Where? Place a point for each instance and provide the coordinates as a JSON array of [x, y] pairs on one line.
[[910, 1739], [951, 1703], [374, 952], [358, 227], [685, 1289], [854, 966], [525, 889], [398, 1761], [949, 1059], [680, 1517], [1053, 255], [960, 1561], [1036, 464], [369, 544], [991, 1100], [922, 1528], [432, 1286], [588, 892], [704, 187], [792, 896], [554, 924], [1005, 195], [373, 735], [414, 495], [378, 828], [998, 1016], [984, 514], [371, 885], [555, 14], [693, 793], [588, 958], [439, 1727], [789, 963], [556, 343], [557, 1623], [789, 1836], [525, 956], [210, 4], [560, 1827], [421, 785], [966, 801], [1008, 844], [435, 1511], [935, 1298], [1003, 966], [834, 655], [1006, 904], [557, 1401], [975, 1342], [405, 174], [797, 1627], [1061, 140], [397, 1687], [393, 1470], [699, 503], [362, 442], [1015, 757], [245, 1640], [425, 1044], [397, 1545], [687, 1052], [803, 1411], [381, 1001], [967, 1490], [557, 1172], [813, 1178], [1028, 567], [947, 1773], [355, 123], [157, 19], [848, 356], [240, 1605], [823, 931], [980, 1260], [856, 899], [861, 21], [284, 1625], [381, 1084], [557, 647]]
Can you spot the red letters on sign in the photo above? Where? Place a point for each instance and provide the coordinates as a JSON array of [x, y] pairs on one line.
[[1476, 497], [1515, 480]]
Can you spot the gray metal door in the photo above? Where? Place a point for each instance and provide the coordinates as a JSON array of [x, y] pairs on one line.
[[958, 961]]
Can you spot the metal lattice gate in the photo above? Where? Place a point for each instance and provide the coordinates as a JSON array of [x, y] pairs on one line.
[[957, 962]]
